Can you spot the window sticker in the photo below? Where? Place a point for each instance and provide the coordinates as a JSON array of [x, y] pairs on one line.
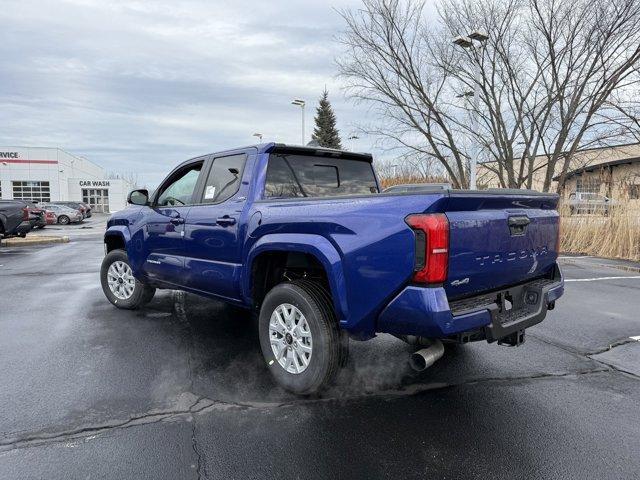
[[210, 192]]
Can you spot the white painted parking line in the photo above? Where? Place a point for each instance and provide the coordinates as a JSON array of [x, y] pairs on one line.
[[565, 257], [600, 278]]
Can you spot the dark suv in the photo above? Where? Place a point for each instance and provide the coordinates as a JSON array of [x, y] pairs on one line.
[[14, 218]]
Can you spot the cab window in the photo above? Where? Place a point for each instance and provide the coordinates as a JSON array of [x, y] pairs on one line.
[[179, 189], [224, 178], [311, 176]]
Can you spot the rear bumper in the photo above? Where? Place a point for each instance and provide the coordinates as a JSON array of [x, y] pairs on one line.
[[22, 229], [426, 312]]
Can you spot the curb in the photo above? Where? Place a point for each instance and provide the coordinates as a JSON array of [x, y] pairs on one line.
[[626, 268], [35, 240]]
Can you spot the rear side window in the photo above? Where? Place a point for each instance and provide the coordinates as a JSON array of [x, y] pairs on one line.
[[224, 178], [308, 176]]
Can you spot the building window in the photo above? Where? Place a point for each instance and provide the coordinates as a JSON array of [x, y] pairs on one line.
[[31, 190], [97, 199], [634, 192], [588, 185]]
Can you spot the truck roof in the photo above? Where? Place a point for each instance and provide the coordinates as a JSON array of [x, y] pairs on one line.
[[273, 147]]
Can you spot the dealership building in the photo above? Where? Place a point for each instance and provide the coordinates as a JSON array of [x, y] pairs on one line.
[[52, 174]]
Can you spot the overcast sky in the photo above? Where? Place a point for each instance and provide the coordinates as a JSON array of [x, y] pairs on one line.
[[140, 86]]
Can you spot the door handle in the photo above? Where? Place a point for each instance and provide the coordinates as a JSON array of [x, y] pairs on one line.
[[519, 221], [177, 221], [518, 225], [225, 220]]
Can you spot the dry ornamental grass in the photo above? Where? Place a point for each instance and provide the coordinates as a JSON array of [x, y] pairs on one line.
[[616, 235]]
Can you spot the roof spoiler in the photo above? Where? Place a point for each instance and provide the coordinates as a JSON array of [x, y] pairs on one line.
[[319, 152]]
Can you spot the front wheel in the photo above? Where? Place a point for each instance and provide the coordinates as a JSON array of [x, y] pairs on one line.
[[63, 220], [119, 285], [300, 338]]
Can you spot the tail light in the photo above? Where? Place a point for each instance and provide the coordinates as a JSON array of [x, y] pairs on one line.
[[432, 247], [25, 213]]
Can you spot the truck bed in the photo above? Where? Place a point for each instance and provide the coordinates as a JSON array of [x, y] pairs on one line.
[[377, 248]]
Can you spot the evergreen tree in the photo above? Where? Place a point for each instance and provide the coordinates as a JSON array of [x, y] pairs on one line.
[[325, 131]]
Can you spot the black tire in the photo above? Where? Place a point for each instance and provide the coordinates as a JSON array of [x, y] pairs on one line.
[[142, 294], [330, 345], [63, 220]]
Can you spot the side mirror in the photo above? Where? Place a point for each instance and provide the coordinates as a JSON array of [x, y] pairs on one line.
[[138, 197]]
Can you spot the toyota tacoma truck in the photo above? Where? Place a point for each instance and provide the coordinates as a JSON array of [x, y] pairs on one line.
[[303, 237]]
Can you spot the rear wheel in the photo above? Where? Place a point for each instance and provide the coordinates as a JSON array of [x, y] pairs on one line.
[[63, 220], [119, 285], [300, 338]]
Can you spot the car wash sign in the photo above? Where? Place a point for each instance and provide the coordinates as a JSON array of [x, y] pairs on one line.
[[94, 183]]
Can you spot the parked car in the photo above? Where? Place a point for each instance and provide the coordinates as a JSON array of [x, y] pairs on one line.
[[14, 218], [37, 217], [417, 187], [50, 217], [303, 237], [83, 207], [584, 202], [88, 209], [64, 214]]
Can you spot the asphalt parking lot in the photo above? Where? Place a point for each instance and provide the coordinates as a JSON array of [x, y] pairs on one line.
[[178, 390]]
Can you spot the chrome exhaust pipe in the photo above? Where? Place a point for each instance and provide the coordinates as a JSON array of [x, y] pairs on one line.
[[423, 359]]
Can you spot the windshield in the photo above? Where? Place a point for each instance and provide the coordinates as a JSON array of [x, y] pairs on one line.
[[309, 176]]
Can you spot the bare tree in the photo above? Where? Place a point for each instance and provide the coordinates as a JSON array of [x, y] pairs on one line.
[[411, 166], [132, 178], [542, 83], [388, 63]]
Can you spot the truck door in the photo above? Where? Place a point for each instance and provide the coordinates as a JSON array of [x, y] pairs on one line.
[[212, 230], [163, 248]]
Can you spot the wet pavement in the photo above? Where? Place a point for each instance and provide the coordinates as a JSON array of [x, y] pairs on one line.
[[179, 389]]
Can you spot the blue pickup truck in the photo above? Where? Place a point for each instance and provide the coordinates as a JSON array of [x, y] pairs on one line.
[[303, 237]]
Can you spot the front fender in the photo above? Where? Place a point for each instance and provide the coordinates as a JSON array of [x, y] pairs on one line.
[[122, 232], [315, 245], [119, 231]]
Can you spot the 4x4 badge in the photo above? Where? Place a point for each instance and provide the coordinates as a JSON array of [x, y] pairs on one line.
[[462, 281]]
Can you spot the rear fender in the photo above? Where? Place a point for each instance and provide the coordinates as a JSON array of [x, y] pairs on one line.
[[315, 245]]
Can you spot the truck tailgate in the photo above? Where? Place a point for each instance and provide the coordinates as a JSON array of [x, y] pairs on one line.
[[499, 239]]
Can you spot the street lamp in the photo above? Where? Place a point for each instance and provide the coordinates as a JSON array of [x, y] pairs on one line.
[[352, 138], [468, 42], [259, 135], [300, 103], [479, 36]]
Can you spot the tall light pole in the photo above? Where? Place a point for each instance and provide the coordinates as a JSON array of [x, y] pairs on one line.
[[259, 135], [468, 42], [300, 103], [351, 139]]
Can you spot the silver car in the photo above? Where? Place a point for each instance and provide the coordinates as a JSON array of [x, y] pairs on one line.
[[585, 202], [64, 215]]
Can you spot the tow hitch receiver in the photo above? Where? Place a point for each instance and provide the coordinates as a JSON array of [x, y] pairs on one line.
[[513, 340]]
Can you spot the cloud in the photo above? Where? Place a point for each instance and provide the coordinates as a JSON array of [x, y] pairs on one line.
[[140, 86]]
